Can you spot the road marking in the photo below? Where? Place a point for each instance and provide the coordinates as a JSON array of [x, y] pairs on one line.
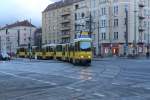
[[148, 88], [31, 94], [78, 90], [33, 79], [115, 84], [99, 95], [71, 88]]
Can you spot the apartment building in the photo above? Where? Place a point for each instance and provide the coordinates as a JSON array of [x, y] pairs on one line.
[[118, 27], [16, 35], [58, 22]]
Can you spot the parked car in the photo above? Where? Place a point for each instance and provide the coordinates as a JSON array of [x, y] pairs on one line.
[[4, 56]]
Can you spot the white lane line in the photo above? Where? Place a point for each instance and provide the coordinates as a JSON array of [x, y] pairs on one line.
[[65, 76], [99, 95], [78, 90], [71, 88], [115, 84], [29, 78], [31, 94], [148, 88]]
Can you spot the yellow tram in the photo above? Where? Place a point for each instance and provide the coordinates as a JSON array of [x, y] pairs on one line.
[[48, 51], [59, 52], [82, 51], [22, 52], [38, 53], [77, 52]]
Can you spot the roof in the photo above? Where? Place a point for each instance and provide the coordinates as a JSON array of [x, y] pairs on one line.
[[21, 23], [82, 39], [60, 4], [53, 45], [38, 30]]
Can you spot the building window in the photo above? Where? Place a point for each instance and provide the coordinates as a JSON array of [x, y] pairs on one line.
[[103, 23], [76, 7], [103, 11], [82, 15], [103, 36], [115, 35], [116, 9], [145, 36], [75, 16], [116, 23]]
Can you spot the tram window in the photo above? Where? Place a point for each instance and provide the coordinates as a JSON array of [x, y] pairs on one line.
[[59, 48], [71, 48], [77, 46], [85, 46]]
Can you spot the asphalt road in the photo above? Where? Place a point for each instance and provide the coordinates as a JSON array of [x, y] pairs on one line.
[[105, 79]]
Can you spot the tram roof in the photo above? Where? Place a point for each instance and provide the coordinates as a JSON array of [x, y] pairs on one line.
[[80, 39], [34, 46], [46, 45], [22, 47]]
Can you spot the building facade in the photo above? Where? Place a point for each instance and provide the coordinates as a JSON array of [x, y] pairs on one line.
[[16, 35], [120, 26], [58, 22], [117, 27], [38, 37], [128, 27]]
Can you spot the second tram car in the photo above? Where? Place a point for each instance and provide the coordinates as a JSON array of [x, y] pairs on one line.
[[48, 51]]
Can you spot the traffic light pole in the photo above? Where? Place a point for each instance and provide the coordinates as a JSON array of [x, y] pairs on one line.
[[30, 42], [126, 33]]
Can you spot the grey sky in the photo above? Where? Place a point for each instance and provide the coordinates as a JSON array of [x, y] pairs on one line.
[[13, 10]]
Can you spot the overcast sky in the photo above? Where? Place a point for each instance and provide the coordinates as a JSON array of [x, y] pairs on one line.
[[13, 10]]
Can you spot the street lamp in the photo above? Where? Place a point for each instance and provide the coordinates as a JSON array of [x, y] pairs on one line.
[[135, 30], [148, 42], [126, 33], [30, 47]]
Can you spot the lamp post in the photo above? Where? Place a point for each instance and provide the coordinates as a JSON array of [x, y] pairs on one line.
[[148, 35], [99, 46], [30, 42], [148, 42], [126, 33], [135, 30]]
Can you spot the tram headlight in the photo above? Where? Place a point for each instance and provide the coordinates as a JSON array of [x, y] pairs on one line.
[[89, 57], [82, 56]]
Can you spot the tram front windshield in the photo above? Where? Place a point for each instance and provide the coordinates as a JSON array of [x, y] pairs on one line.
[[85, 46]]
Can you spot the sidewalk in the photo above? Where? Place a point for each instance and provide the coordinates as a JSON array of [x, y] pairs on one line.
[[117, 57]]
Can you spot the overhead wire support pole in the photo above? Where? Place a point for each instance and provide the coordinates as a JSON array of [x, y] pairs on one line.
[[135, 30], [126, 33], [99, 46], [30, 42], [90, 24]]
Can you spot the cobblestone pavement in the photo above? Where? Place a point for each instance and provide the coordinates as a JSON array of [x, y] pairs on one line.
[[105, 79]]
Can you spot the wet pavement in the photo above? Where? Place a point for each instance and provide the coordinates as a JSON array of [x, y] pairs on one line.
[[105, 79]]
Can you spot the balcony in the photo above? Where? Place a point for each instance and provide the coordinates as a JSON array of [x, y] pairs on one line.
[[64, 28], [65, 21], [141, 3], [65, 13], [141, 16], [141, 29], [66, 36]]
